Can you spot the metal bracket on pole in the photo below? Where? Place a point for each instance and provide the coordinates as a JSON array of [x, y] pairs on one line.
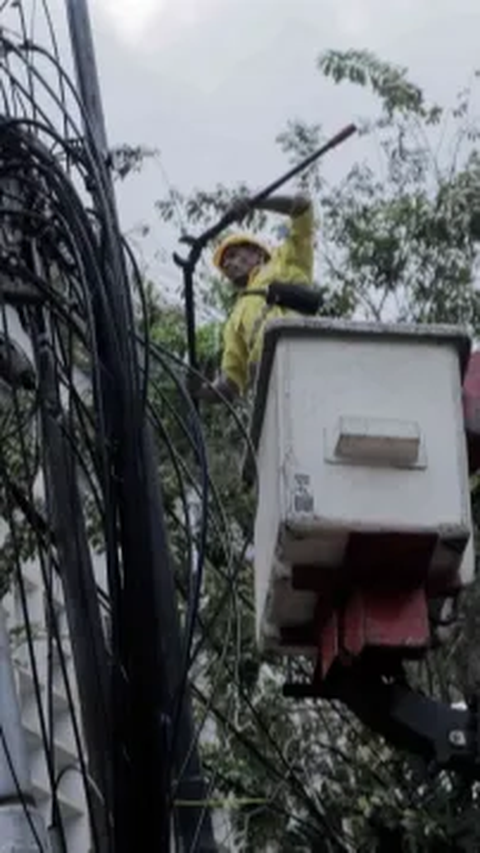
[[445, 737]]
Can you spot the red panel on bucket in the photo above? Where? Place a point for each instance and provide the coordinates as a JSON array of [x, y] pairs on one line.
[[328, 647], [396, 560], [397, 620]]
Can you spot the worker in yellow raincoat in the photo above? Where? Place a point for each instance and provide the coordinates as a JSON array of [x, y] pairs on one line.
[[250, 266]]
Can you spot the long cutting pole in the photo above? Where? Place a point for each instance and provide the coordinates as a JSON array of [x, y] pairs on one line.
[[197, 244]]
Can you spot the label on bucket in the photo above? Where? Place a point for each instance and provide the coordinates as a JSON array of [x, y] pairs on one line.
[[302, 495]]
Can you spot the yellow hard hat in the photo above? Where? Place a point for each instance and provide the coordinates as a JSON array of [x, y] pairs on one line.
[[237, 240]]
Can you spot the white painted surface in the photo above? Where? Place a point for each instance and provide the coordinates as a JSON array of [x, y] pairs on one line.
[[358, 433], [377, 441]]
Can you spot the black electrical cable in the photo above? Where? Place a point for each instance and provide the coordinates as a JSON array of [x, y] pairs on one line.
[[28, 630], [196, 374], [20, 793], [145, 368], [56, 818], [303, 793], [89, 263], [71, 195], [73, 716], [198, 445], [241, 790], [82, 585], [176, 463], [178, 459], [225, 648], [207, 708], [56, 56], [132, 422], [272, 769], [73, 390], [185, 427], [212, 489], [60, 102], [52, 622], [184, 424], [216, 497], [90, 280], [28, 68], [71, 708], [226, 636], [195, 587]]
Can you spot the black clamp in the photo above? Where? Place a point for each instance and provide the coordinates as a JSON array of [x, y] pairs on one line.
[[447, 738]]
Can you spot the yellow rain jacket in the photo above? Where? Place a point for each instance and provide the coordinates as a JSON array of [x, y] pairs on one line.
[[291, 262]]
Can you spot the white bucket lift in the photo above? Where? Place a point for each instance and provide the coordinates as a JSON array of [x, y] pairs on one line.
[[363, 511]]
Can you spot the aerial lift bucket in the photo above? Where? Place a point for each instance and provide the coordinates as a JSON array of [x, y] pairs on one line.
[[363, 520]]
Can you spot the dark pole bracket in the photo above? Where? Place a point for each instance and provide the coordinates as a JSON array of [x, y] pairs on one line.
[[444, 736]]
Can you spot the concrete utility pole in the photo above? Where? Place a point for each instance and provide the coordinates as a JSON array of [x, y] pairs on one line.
[[21, 827], [152, 640]]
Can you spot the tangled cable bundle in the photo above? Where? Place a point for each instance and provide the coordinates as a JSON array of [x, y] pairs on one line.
[[90, 406]]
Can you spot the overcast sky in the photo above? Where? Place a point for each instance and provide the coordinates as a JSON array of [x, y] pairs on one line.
[[212, 82]]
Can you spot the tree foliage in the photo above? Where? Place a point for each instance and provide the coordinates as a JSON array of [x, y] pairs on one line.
[[398, 239]]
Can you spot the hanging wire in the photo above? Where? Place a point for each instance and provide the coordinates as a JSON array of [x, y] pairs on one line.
[[51, 179]]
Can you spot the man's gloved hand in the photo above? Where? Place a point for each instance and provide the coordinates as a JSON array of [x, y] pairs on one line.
[[239, 209], [205, 391], [216, 392]]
